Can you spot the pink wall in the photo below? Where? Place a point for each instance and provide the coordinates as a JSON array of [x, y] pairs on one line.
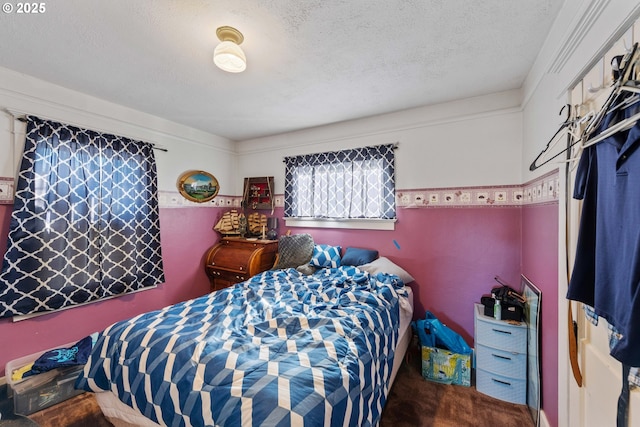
[[186, 235], [454, 255], [540, 266]]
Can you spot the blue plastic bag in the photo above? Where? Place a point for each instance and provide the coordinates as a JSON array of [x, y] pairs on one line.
[[433, 333]]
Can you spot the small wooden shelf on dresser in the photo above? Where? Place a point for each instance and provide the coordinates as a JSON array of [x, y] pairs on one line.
[[258, 192], [501, 357], [234, 260]]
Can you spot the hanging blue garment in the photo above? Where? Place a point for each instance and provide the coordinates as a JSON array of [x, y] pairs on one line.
[[606, 273]]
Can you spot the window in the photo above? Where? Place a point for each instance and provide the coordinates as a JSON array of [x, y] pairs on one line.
[[85, 220], [348, 184]]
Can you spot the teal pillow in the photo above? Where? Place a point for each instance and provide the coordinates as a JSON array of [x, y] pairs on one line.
[[326, 256], [358, 256]]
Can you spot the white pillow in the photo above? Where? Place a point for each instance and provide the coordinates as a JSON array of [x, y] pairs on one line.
[[385, 265]]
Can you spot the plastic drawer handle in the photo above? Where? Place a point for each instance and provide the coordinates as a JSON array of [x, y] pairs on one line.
[[502, 332], [501, 357], [501, 382]]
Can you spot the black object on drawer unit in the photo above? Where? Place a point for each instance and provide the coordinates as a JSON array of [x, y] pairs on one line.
[[511, 310]]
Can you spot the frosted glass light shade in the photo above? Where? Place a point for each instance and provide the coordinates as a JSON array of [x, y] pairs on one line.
[[229, 57]]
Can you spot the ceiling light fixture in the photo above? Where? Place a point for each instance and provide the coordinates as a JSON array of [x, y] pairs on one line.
[[228, 56]]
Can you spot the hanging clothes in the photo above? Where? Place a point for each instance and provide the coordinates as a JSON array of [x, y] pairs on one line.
[[606, 273]]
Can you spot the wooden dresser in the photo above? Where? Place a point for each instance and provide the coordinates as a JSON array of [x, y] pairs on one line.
[[234, 260]]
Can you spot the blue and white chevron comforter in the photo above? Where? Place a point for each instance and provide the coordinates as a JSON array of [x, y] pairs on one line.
[[281, 349]]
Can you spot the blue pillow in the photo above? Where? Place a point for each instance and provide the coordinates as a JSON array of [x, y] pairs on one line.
[[326, 256], [359, 256]]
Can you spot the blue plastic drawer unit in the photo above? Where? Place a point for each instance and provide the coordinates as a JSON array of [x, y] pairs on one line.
[[501, 357]]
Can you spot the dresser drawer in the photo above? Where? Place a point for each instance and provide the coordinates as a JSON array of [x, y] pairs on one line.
[[501, 335], [509, 364], [232, 258], [226, 275], [501, 387]]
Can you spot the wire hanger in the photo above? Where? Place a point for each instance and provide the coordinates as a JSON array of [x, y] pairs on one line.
[[566, 125], [623, 83], [621, 126]]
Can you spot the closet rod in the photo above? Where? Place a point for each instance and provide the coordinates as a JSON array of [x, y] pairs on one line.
[[21, 116]]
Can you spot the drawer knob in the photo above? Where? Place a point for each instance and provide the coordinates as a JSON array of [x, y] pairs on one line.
[[501, 331], [501, 382]]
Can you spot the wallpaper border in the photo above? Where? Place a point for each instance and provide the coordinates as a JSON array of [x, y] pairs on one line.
[[173, 199], [541, 190], [6, 190]]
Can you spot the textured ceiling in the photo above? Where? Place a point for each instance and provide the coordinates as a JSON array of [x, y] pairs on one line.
[[309, 62]]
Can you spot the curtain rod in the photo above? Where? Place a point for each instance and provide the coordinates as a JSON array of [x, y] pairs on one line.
[[21, 116], [395, 147]]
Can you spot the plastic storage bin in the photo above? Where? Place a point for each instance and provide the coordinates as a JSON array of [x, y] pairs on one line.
[[501, 357], [38, 392]]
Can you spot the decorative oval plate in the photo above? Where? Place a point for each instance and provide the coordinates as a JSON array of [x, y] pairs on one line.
[[198, 186]]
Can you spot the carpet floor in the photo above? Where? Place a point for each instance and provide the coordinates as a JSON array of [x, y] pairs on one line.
[[414, 401]]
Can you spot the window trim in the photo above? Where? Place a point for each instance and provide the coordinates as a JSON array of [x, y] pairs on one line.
[[342, 157], [349, 223]]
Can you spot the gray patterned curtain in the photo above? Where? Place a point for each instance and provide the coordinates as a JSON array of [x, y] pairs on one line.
[[85, 220], [357, 183]]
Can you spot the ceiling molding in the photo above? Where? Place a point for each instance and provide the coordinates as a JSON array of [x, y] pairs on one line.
[[584, 23], [307, 137], [577, 30], [14, 102], [611, 40]]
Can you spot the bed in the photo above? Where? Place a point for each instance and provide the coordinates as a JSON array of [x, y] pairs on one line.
[[281, 349]]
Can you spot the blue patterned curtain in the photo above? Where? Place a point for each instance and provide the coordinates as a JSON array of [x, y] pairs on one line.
[[85, 220], [358, 183]]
